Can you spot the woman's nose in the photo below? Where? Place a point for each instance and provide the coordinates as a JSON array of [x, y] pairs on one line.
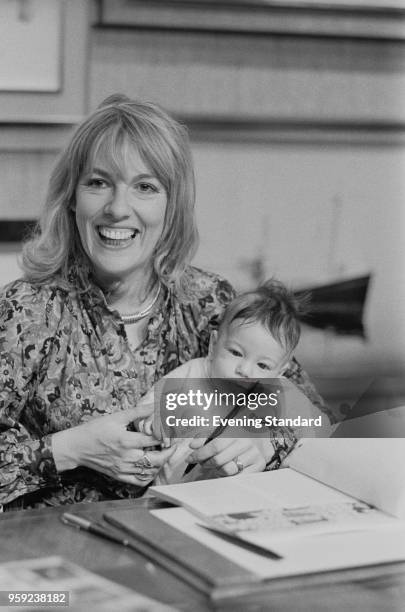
[[118, 205]]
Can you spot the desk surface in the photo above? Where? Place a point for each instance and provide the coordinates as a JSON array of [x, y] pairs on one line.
[[39, 533]]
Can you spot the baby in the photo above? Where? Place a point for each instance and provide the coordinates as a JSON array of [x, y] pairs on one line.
[[255, 340]]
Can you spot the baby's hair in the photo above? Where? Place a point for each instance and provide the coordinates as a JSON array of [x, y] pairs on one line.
[[272, 305]]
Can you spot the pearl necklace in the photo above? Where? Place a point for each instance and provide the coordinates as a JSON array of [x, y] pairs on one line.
[[127, 319]]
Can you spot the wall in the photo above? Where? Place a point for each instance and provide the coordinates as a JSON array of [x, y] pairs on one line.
[[313, 216]]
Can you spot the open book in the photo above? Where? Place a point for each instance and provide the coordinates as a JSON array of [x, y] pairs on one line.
[[338, 504]]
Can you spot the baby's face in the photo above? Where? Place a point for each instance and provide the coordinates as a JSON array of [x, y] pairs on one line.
[[247, 351]]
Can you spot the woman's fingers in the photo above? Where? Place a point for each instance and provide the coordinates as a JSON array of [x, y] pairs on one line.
[[197, 442], [152, 459], [138, 481], [144, 466], [138, 468], [132, 414], [136, 440], [219, 451], [105, 445], [230, 453], [146, 463], [244, 463], [229, 456]]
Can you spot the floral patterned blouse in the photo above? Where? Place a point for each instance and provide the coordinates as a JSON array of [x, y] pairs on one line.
[[65, 359]]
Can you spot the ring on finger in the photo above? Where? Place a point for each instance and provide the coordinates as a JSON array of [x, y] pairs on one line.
[[143, 462], [239, 465], [146, 460]]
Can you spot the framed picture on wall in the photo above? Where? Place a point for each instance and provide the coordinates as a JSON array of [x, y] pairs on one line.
[[43, 57], [30, 60]]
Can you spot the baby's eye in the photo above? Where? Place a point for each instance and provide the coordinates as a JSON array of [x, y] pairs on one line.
[[263, 366], [235, 352]]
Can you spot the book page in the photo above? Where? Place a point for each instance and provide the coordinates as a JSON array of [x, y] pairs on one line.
[[283, 502], [372, 470], [299, 555], [248, 492]]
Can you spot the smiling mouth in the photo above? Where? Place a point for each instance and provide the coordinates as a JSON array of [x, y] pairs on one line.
[[116, 237]]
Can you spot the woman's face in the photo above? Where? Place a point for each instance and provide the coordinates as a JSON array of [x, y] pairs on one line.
[[120, 214]]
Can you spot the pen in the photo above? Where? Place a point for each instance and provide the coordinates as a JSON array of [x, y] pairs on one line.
[[234, 538], [84, 524], [217, 432]]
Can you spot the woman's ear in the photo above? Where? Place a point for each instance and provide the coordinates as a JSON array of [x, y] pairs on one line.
[[213, 341]]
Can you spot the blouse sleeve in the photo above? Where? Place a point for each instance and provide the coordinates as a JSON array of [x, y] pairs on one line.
[[300, 378], [283, 439], [26, 461]]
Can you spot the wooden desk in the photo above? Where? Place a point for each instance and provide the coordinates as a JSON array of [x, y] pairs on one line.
[[39, 533]]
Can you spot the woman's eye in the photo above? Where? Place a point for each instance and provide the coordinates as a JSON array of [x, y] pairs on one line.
[[97, 183], [147, 188]]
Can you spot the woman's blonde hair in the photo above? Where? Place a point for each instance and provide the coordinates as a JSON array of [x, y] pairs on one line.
[[163, 145]]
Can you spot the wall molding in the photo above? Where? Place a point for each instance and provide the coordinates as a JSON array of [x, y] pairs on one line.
[[36, 136], [313, 19], [297, 131], [46, 137]]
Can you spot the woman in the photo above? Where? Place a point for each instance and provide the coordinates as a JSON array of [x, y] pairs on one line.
[[108, 305]]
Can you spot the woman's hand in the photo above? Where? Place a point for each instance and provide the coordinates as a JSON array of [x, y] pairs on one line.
[[105, 445], [229, 456]]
